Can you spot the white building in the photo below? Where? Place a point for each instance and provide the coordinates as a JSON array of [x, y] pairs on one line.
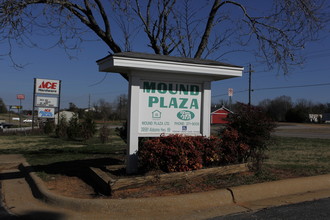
[[66, 114]]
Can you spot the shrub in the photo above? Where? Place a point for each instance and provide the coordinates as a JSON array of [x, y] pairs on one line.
[[88, 127], [233, 149], [122, 132], [48, 127], [74, 128], [210, 149], [183, 153], [253, 129], [104, 134], [169, 154], [245, 136], [61, 128]]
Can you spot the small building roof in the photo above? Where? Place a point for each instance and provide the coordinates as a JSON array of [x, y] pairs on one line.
[[222, 108], [124, 62]]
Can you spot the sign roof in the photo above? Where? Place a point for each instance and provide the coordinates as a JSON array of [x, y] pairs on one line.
[[125, 62]]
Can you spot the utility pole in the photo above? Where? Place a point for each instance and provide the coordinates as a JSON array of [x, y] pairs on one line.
[[89, 102], [119, 108], [250, 90]]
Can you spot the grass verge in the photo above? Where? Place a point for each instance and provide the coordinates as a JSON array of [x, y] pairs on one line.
[[44, 150], [287, 157]]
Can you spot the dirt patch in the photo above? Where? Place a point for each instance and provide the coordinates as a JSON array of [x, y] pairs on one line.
[[77, 188], [70, 187]]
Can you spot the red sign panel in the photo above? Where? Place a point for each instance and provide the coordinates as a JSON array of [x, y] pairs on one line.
[[20, 96]]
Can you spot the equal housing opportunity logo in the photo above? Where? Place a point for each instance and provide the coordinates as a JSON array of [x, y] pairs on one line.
[[185, 115]]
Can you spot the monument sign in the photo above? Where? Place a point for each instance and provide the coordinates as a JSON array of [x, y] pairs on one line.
[[167, 95]]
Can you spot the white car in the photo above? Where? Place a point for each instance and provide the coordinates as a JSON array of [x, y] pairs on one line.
[[27, 120]]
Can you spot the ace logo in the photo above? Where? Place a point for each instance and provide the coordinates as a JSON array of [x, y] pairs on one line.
[[47, 86], [46, 113]]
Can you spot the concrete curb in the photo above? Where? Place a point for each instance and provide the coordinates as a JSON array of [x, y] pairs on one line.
[[280, 188], [181, 204], [164, 204]]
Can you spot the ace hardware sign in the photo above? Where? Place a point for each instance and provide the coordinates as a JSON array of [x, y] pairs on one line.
[[50, 90], [47, 86], [46, 113]]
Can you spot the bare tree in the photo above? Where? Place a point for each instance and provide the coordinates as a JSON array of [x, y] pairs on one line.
[[171, 27], [121, 104], [277, 108], [3, 108], [104, 109]]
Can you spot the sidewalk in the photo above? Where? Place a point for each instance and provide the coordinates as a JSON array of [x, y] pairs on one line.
[[19, 187]]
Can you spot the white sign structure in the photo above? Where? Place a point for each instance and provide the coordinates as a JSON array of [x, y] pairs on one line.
[[167, 95], [169, 107], [46, 101], [47, 86], [46, 112], [230, 92], [49, 100]]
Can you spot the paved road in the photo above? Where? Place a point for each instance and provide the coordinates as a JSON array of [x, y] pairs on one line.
[[303, 130], [318, 209]]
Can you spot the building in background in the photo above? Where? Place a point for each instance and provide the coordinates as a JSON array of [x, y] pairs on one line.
[[66, 114], [219, 116]]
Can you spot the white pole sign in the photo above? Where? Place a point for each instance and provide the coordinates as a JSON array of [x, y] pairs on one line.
[[47, 101], [169, 107], [47, 86]]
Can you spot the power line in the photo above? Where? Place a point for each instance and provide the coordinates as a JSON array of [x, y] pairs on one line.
[[245, 90], [279, 87], [290, 87]]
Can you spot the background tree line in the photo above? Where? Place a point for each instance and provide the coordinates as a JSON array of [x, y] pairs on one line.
[[104, 110], [3, 108], [281, 108], [284, 109]]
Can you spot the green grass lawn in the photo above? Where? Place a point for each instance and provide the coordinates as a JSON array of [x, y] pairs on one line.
[[42, 149], [287, 157], [302, 156], [298, 156]]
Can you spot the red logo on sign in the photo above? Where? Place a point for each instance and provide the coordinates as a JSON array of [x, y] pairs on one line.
[[48, 85]]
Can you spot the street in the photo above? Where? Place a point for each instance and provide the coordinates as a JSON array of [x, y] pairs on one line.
[[303, 130], [318, 209]]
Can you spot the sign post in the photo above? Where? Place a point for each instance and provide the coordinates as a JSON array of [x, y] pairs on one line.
[[230, 95], [50, 99], [20, 97], [167, 95]]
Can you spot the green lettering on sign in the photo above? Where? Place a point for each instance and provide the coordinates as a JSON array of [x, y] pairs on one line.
[[183, 103], [163, 88], [152, 100], [173, 103], [194, 104], [149, 87]]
